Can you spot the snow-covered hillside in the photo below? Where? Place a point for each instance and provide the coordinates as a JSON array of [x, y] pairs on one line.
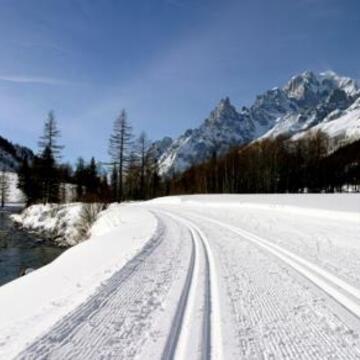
[[326, 102], [11, 155]]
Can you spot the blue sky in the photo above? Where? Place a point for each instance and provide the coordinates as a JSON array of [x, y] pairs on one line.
[[168, 62]]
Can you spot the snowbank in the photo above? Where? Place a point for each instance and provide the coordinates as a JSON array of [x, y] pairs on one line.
[[53, 221], [66, 224], [32, 304]]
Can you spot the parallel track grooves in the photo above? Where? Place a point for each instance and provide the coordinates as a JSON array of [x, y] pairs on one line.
[[174, 340], [343, 293]]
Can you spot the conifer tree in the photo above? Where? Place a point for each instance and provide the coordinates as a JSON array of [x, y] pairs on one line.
[[114, 182], [119, 147], [50, 137], [26, 182], [48, 176]]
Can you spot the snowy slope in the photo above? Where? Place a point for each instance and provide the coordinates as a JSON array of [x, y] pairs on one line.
[[341, 126], [305, 102], [11, 155]]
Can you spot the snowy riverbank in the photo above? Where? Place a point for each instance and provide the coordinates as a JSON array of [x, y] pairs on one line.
[[32, 304], [62, 224]]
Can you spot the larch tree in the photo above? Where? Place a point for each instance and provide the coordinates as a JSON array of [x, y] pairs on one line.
[[119, 149], [49, 153], [143, 154], [50, 137], [114, 182]]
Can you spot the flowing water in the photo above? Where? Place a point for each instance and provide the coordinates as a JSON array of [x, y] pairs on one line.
[[20, 250]]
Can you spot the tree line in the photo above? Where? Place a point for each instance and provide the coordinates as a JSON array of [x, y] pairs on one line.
[[276, 165], [133, 171]]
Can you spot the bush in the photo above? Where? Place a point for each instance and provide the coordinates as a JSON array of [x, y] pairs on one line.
[[88, 216]]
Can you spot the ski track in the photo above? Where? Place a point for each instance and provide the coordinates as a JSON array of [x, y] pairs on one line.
[[345, 294], [210, 344], [205, 289], [304, 326], [120, 320], [126, 317]]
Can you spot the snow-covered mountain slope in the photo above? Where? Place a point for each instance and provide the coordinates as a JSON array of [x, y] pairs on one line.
[[11, 155], [342, 126], [159, 147], [223, 128], [325, 101]]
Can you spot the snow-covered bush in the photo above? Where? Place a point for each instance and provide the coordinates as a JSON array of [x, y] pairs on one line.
[[65, 224], [88, 215]]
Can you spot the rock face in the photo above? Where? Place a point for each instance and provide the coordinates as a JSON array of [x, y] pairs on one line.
[[307, 101]]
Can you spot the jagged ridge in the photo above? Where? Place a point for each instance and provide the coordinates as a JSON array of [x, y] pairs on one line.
[[325, 102]]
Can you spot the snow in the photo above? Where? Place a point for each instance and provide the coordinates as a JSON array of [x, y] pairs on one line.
[[261, 243], [33, 303], [346, 204], [349, 85], [221, 277], [344, 128], [15, 195], [57, 222]]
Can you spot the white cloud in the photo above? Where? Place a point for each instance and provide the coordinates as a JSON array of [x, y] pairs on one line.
[[34, 80]]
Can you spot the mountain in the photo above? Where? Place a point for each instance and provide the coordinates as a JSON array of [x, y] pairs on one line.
[[325, 101], [159, 147], [11, 155]]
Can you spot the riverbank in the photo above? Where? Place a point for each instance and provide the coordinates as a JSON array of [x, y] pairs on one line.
[[63, 224], [20, 250]]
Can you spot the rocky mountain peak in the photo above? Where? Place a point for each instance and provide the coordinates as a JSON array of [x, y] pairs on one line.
[[307, 101], [224, 110], [303, 88], [331, 80]]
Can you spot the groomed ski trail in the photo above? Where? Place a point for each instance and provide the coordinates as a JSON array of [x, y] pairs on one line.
[[210, 345], [345, 294]]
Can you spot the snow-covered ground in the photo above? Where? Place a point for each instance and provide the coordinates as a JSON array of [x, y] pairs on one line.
[[215, 277], [32, 304]]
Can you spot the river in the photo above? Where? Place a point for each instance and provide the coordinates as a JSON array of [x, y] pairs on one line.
[[20, 250]]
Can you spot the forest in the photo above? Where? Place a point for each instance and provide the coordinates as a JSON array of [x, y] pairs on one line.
[[278, 165]]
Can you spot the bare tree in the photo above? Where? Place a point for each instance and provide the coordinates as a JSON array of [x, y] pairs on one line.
[[143, 153], [119, 146], [4, 187], [50, 136]]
